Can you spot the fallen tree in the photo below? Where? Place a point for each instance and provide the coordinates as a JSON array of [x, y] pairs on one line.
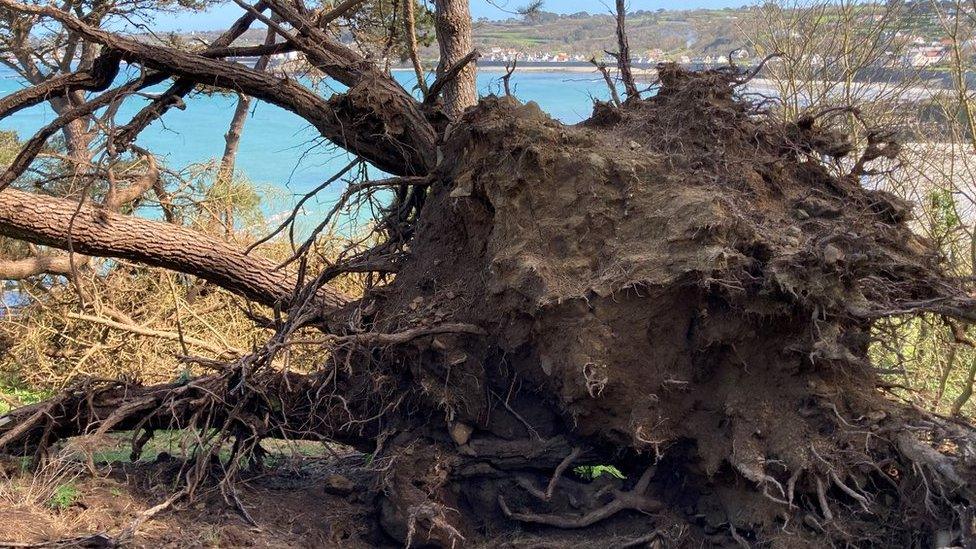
[[681, 286]]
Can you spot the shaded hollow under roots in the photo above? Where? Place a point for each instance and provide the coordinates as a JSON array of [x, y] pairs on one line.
[[681, 287]]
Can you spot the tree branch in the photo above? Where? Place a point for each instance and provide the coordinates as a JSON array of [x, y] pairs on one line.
[[623, 56], [376, 119], [182, 86], [100, 232], [447, 76], [98, 78], [159, 334], [60, 265]]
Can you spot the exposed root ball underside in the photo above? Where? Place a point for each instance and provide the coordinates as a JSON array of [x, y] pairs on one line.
[[686, 280]]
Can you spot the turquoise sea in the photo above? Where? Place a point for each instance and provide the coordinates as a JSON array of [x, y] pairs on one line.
[[281, 152]]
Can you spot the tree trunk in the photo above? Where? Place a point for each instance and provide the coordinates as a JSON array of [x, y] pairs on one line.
[[967, 391], [232, 140], [228, 161], [98, 231], [454, 36], [623, 54]]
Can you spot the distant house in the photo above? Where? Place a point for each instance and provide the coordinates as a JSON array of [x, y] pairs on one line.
[[924, 56]]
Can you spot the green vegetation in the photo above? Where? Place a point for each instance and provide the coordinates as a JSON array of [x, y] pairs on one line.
[[64, 496], [12, 396], [8, 146], [593, 472]]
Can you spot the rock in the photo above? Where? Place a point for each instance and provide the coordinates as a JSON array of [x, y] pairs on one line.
[[832, 254], [461, 433], [338, 485], [817, 207]]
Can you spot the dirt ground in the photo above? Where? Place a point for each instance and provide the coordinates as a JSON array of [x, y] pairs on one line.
[[298, 501]]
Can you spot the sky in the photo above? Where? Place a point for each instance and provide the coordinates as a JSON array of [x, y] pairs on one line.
[[221, 17]]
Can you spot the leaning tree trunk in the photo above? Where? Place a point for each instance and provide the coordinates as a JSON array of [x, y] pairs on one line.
[[679, 288]]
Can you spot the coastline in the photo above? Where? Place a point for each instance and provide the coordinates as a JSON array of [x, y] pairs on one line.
[[496, 67]]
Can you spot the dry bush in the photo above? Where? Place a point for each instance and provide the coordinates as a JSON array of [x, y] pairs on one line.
[[120, 320], [846, 58]]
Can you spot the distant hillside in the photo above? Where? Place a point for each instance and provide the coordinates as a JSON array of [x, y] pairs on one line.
[[661, 34], [692, 32]]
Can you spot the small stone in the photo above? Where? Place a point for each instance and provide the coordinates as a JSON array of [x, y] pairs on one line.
[[832, 254], [877, 415], [801, 214], [461, 433], [634, 145], [602, 290], [338, 485]]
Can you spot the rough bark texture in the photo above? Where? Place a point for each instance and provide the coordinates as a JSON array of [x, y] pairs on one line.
[[454, 36], [98, 231]]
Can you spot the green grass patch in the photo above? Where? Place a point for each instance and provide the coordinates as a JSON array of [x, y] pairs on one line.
[[64, 496], [12, 396]]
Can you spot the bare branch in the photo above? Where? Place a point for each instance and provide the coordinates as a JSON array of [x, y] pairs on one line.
[[160, 334], [602, 67], [98, 78], [410, 28], [376, 119], [449, 75], [19, 269]]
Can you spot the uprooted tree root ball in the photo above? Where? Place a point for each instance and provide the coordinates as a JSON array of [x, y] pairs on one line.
[[681, 287]]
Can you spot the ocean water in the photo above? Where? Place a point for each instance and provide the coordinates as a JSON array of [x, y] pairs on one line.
[[279, 151]]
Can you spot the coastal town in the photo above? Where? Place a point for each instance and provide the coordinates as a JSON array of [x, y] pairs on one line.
[[698, 38]]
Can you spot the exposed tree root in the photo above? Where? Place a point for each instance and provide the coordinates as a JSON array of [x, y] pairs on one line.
[[634, 500]]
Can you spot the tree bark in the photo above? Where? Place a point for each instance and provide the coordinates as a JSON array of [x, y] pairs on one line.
[[60, 264], [232, 139], [454, 36], [100, 232]]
